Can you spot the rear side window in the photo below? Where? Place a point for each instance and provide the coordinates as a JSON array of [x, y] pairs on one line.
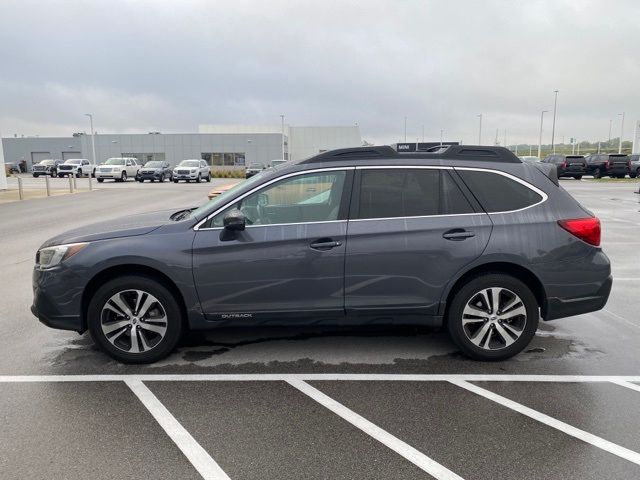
[[497, 193], [390, 193]]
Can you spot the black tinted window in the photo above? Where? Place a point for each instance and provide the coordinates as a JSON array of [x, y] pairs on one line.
[[388, 193], [497, 193]]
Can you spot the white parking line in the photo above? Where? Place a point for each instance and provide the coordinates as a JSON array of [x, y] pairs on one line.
[[587, 437], [629, 385], [279, 377], [405, 450], [198, 456]]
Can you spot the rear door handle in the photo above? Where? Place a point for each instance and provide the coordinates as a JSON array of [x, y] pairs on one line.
[[458, 234], [325, 244]]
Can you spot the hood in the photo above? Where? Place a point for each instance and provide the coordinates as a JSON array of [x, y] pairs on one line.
[[120, 227]]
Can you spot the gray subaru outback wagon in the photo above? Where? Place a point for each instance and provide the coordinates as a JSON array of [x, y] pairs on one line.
[[463, 236]]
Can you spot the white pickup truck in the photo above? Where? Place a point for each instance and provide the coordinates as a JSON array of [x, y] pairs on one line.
[[78, 166]]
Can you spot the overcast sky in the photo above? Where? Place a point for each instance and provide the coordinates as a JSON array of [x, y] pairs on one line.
[[142, 66]]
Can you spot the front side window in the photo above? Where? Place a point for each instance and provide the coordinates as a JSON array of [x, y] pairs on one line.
[[498, 193], [312, 197]]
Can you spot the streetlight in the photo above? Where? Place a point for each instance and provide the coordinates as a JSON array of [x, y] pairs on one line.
[[405, 129], [93, 145], [441, 133], [282, 122], [610, 124], [540, 139], [480, 130], [553, 129], [621, 132]]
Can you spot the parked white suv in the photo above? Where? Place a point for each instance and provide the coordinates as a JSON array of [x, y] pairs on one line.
[[118, 168], [189, 170], [76, 166]]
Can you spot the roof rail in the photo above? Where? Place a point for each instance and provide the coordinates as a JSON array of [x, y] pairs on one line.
[[448, 152]]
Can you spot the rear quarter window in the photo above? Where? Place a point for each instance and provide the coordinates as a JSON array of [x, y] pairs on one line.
[[499, 193]]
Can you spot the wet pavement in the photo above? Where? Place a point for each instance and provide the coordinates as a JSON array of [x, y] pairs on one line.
[[253, 428]]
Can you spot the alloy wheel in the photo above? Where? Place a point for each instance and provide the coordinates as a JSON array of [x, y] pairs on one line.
[[134, 321], [494, 318]]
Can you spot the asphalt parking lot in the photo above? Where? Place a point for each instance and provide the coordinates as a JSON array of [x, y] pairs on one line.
[[318, 402]]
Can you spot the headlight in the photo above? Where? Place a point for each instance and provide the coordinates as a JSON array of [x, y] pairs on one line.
[[49, 257]]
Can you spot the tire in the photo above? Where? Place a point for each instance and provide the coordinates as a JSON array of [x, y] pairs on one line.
[[141, 180], [61, 175], [597, 173], [150, 345], [123, 177], [175, 181], [578, 177], [100, 180], [524, 325], [36, 175], [79, 173], [93, 174], [209, 178], [198, 180], [161, 179]]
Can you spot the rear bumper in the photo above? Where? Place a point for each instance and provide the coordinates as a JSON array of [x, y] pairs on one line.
[[567, 307]]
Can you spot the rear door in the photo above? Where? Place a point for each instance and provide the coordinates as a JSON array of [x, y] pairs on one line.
[[411, 229]]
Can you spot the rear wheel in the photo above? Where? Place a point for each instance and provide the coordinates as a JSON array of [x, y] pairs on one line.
[[578, 177], [79, 173], [135, 319], [175, 181], [100, 180], [597, 173], [492, 317], [123, 177]]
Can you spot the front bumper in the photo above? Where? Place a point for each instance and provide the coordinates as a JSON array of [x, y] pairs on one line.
[[150, 176], [108, 174], [185, 176], [57, 299]]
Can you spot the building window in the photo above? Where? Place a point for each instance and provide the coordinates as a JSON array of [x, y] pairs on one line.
[[224, 159]]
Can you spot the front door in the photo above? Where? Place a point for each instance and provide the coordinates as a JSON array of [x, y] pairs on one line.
[[290, 257], [411, 230]]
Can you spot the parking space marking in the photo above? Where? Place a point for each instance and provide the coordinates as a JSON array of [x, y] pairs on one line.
[[587, 437], [629, 385], [198, 456], [279, 377], [403, 449]]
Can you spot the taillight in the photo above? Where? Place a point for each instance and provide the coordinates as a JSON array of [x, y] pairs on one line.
[[586, 229], [564, 165], [606, 164]]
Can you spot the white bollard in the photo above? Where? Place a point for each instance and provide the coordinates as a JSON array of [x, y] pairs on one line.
[[70, 184], [75, 185], [46, 182], [20, 193]]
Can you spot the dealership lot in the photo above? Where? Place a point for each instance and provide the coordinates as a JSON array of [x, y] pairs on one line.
[[302, 403]]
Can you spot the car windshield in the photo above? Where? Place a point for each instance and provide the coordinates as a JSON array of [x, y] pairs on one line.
[[47, 162], [74, 161], [189, 163], [115, 161], [153, 164], [221, 199], [255, 165]]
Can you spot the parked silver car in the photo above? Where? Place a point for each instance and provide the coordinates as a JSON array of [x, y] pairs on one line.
[[119, 169], [192, 170]]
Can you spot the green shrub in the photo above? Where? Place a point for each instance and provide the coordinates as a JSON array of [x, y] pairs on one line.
[[228, 173]]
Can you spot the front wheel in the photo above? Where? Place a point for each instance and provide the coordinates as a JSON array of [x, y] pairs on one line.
[[578, 177], [36, 175], [135, 319], [100, 180], [492, 317], [198, 180]]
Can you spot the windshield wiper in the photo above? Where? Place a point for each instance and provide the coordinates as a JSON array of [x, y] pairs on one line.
[[181, 214]]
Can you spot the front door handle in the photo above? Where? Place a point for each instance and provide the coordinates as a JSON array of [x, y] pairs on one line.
[[458, 234], [325, 244]]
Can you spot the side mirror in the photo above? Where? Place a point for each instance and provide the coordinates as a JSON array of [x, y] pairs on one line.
[[234, 220]]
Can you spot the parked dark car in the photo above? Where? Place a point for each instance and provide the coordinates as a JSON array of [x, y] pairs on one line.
[[46, 167], [634, 164], [573, 166], [466, 237], [614, 165], [155, 170]]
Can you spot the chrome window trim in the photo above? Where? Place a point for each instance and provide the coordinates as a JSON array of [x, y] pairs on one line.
[[266, 184], [542, 194], [381, 167]]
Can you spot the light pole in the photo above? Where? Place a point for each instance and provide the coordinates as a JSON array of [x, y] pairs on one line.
[[621, 133], [282, 123], [553, 128], [540, 139], [422, 133], [93, 145], [480, 130], [610, 124], [405, 129], [441, 133]]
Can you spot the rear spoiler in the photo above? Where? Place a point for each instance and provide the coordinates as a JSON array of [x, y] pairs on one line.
[[549, 170]]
